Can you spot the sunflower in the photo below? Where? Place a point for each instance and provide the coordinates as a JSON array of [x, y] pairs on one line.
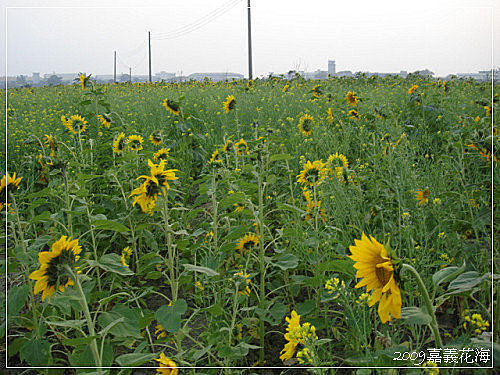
[[285, 88], [329, 115], [153, 185], [316, 91], [351, 98], [247, 242], [422, 196], [247, 279], [215, 158], [135, 142], [7, 186], [76, 124], [289, 349], [487, 109], [374, 265], [51, 276], [241, 147], [126, 254], [161, 154], [228, 146], [312, 208], [412, 89], [167, 366], [104, 120], [119, 143], [305, 124], [229, 104], [341, 164], [312, 173], [171, 106], [353, 114], [155, 138], [50, 141], [160, 331]]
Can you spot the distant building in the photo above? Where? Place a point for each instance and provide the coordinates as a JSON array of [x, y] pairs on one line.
[[36, 78], [344, 73], [215, 76], [163, 76], [331, 67]]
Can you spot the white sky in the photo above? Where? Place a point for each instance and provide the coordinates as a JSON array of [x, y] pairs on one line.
[[445, 36]]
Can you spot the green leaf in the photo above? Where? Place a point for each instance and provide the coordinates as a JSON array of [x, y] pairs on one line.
[[36, 352], [135, 359], [415, 315], [112, 263], [286, 261], [180, 306], [466, 281], [17, 297], [306, 307], [446, 274], [205, 270], [231, 199], [278, 157], [110, 225], [344, 266], [168, 318], [79, 341]]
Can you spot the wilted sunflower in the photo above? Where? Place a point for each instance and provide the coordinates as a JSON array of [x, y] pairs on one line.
[[167, 366], [487, 108], [228, 146], [104, 120], [241, 147], [52, 275], [422, 196], [135, 142], [247, 243], [312, 173], [160, 331], [156, 138], [7, 186], [374, 265], [316, 91], [76, 124], [305, 124], [351, 98], [412, 89], [238, 207], [229, 104], [50, 141], [161, 154], [353, 114], [172, 106]]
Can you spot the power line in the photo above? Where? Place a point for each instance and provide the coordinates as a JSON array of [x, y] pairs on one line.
[[199, 25], [196, 22]]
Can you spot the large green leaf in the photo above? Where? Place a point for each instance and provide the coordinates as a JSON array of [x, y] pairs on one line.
[[285, 261], [205, 270], [415, 315], [466, 281], [112, 263], [36, 352], [110, 225], [17, 297], [170, 316], [135, 359], [446, 274]]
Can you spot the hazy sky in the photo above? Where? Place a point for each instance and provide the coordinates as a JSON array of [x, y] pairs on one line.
[[380, 36]]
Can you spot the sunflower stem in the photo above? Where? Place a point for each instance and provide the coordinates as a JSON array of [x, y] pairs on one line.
[[170, 248], [88, 318], [262, 286], [428, 303]]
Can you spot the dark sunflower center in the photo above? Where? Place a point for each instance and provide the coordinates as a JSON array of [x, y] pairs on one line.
[[172, 105], [312, 174], [135, 144], [383, 275], [249, 244], [57, 274], [306, 125], [231, 104]]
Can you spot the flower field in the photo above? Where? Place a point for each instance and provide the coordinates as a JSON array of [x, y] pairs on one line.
[[266, 223]]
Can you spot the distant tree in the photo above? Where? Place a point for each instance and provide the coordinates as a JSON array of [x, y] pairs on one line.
[[124, 78], [54, 80], [21, 80]]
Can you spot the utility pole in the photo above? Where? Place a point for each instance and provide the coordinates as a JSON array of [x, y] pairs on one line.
[[250, 75], [130, 75], [149, 44], [114, 70]]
